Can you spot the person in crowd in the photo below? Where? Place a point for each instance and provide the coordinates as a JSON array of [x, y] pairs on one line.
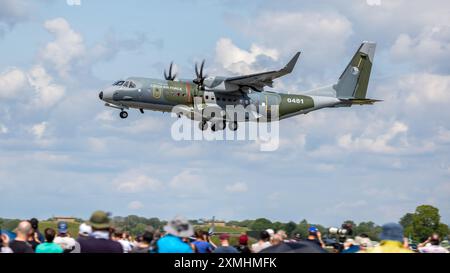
[[200, 244], [143, 243], [242, 247], [49, 246], [176, 229], [271, 234], [63, 239], [297, 237], [350, 246], [391, 240], [4, 243], [315, 236], [364, 242], [84, 231], [432, 245], [36, 233], [121, 237], [99, 241], [264, 242], [20, 243], [33, 237], [225, 245]]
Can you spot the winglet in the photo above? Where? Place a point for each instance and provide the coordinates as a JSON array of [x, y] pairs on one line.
[[290, 66]]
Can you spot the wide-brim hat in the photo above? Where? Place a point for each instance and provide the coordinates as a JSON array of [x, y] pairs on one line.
[[99, 220]]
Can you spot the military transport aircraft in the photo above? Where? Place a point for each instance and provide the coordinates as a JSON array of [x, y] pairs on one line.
[[220, 92]]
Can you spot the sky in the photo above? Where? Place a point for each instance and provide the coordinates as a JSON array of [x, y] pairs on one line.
[[63, 153]]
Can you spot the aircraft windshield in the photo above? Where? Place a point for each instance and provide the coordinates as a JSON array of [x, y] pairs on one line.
[[118, 83]]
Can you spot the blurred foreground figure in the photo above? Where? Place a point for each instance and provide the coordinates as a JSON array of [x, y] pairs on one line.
[[201, 244], [264, 242], [391, 240], [20, 243], [243, 244], [100, 240], [176, 230], [49, 246], [63, 239], [225, 245], [432, 245]]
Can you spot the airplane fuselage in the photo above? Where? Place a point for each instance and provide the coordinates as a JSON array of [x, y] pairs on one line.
[[163, 95]]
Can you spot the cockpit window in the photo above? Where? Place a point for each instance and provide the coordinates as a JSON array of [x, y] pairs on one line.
[[126, 84], [132, 85], [118, 83]]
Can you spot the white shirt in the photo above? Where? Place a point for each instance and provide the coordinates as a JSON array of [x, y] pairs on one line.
[[258, 246], [67, 243], [126, 245]]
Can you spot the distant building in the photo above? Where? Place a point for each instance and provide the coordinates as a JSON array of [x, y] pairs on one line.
[[217, 223], [65, 219]]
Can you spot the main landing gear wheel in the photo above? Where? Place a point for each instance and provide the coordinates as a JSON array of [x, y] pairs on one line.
[[217, 126], [233, 125], [203, 125], [123, 114]]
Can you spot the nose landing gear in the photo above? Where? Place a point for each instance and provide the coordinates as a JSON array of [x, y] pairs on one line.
[[123, 114]]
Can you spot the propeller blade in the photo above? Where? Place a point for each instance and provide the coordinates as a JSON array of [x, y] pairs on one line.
[[170, 70], [196, 70], [201, 68]]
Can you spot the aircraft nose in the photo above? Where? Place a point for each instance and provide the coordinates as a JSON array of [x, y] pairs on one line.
[[100, 95]]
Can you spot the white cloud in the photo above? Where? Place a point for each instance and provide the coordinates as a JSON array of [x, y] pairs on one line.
[[3, 129], [47, 92], [237, 187], [373, 2], [67, 46], [38, 130], [430, 48], [11, 13], [12, 81], [423, 89], [135, 205], [105, 116], [97, 144], [187, 181], [321, 36], [392, 140], [131, 183], [238, 60]]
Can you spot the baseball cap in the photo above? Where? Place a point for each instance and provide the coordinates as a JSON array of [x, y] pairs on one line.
[[224, 236], [313, 229], [62, 227], [271, 232], [85, 229], [243, 239]]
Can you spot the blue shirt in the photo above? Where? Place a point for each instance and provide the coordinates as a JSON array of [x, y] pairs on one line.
[[173, 244], [203, 247]]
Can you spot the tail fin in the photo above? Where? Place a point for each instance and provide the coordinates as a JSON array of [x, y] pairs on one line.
[[354, 80]]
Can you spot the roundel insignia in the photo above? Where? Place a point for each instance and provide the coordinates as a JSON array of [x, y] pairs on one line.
[[157, 92]]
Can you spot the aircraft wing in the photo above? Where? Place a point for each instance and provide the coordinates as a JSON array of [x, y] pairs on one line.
[[259, 80]]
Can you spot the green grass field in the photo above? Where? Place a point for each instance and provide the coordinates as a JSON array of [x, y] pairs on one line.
[[73, 227]]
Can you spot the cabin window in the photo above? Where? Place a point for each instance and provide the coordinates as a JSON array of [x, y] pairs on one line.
[[207, 97]]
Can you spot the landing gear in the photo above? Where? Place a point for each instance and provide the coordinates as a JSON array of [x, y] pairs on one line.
[[217, 126], [203, 125], [233, 125], [123, 114]]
